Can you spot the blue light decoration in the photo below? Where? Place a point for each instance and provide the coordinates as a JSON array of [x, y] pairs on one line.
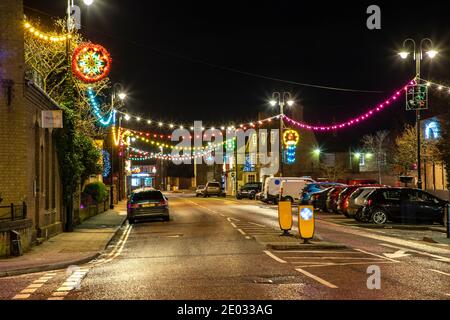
[[248, 166], [290, 140], [432, 130], [106, 163], [106, 120]]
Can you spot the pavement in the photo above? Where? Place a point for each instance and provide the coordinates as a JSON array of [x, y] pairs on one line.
[[85, 243]]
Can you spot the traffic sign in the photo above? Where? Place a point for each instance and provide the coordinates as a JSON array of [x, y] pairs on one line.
[[306, 222], [285, 215]]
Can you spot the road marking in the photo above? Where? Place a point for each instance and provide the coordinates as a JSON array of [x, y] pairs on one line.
[[332, 264], [318, 279], [441, 272], [376, 255], [21, 296], [247, 237], [270, 254], [242, 232], [260, 225], [439, 258], [234, 226], [317, 251], [336, 258]]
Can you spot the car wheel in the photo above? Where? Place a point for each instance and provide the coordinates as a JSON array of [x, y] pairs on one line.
[[379, 217], [205, 195], [346, 214], [289, 199], [131, 221], [239, 198], [251, 195]]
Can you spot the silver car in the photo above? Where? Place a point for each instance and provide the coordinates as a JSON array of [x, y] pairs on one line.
[[356, 199]]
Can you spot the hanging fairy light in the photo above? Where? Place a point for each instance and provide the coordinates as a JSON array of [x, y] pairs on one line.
[[38, 34], [104, 121]]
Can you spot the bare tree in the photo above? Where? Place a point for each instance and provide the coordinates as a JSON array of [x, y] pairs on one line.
[[377, 145]]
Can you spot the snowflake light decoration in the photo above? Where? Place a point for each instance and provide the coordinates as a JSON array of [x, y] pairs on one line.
[[91, 62]]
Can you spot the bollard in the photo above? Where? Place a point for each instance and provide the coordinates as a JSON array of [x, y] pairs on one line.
[[306, 222], [285, 216]]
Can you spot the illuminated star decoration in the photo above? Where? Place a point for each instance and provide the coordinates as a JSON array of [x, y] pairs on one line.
[[91, 62], [290, 140]]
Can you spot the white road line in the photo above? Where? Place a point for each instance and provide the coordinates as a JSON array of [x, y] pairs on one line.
[[21, 296], [320, 280], [318, 251], [336, 258], [247, 237], [332, 264], [274, 257], [376, 255], [416, 251], [234, 226], [242, 232], [441, 272], [260, 225]]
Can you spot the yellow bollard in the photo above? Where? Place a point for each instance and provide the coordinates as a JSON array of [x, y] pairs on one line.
[[306, 222], [285, 216]]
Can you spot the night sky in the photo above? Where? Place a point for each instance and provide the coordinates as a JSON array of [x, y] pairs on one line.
[[157, 47]]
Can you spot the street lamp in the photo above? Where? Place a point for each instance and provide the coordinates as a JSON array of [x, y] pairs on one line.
[[418, 54], [281, 100], [88, 2], [117, 92]]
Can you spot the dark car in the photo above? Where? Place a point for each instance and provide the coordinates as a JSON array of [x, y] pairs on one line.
[[249, 190], [332, 198], [147, 203], [313, 188], [403, 205], [319, 199], [212, 189]]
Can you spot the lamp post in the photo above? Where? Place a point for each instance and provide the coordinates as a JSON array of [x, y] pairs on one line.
[[418, 55], [281, 100], [117, 92]]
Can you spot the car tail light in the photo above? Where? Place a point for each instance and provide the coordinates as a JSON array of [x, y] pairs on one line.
[[369, 202], [134, 206], [346, 204], [163, 203]]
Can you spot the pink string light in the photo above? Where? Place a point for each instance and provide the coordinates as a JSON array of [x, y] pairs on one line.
[[351, 122]]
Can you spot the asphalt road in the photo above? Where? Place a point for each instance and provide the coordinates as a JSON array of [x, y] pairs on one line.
[[212, 249]]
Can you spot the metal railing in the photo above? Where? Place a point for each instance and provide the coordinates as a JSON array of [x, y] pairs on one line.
[[13, 212]]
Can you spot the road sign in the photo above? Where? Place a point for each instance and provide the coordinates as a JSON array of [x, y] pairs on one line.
[[285, 215], [417, 97], [306, 222]]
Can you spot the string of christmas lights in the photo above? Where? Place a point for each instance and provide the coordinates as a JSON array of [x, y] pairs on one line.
[[44, 35], [436, 86], [141, 155], [104, 120], [350, 122], [160, 124]]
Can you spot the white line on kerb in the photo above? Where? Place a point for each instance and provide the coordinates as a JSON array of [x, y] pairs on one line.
[[441, 272], [320, 280], [274, 257], [234, 226]]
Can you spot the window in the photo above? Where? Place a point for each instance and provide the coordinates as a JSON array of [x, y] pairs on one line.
[[263, 138], [147, 195], [251, 178], [391, 194], [362, 160], [254, 139]]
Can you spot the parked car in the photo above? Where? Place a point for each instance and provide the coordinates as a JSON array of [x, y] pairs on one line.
[[362, 181], [320, 199], [312, 188], [199, 190], [403, 205], [290, 189], [343, 198], [272, 187], [356, 201], [332, 198], [249, 190], [147, 203], [213, 189]]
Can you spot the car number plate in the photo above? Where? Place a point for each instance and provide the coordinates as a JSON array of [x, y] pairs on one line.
[[148, 205]]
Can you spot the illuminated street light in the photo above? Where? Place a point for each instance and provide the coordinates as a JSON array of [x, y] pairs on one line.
[[122, 96], [290, 103], [88, 2], [317, 151], [403, 54], [273, 103], [431, 53]]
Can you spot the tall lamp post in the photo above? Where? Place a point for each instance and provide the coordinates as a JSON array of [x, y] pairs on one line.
[[117, 93], [418, 55], [281, 100]]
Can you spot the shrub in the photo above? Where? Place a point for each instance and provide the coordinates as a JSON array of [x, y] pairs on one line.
[[97, 191]]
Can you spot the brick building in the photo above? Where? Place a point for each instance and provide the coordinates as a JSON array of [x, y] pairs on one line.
[[28, 162]]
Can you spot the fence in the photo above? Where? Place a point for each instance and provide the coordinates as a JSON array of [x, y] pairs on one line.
[[13, 212], [92, 210]]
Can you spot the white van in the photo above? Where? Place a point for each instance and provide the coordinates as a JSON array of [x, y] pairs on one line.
[[272, 187], [291, 190]]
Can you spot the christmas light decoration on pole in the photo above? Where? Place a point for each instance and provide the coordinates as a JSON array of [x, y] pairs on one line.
[[91, 62], [291, 139]]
